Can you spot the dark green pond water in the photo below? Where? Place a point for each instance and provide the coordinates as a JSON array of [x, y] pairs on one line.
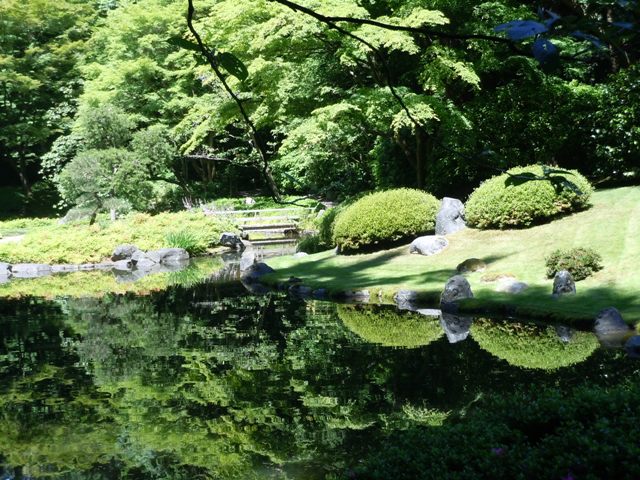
[[207, 382]]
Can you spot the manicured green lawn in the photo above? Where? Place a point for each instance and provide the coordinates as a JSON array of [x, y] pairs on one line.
[[611, 227]]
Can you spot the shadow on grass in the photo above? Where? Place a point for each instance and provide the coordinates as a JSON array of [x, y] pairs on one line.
[[374, 271], [537, 302]]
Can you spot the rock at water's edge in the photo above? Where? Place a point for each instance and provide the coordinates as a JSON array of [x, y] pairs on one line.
[[457, 288], [123, 252]]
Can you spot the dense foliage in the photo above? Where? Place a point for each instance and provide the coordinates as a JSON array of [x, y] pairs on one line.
[[533, 434], [533, 346], [461, 104], [524, 196], [82, 243], [383, 217], [580, 262], [389, 327]]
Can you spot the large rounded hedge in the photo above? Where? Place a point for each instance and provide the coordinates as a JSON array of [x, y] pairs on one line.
[[522, 197], [532, 346], [384, 217], [388, 327]]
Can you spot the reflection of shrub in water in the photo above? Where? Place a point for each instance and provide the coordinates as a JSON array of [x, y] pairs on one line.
[[388, 327], [532, 346]]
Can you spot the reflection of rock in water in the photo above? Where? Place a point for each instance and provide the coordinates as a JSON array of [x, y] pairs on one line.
[[611, 329], [455, 327], [564, 333], [135, 274]]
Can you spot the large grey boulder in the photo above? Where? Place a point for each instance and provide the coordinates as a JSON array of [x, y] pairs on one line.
[[450, 217], [123, 265], [30, 270], [455, 327], [457, 288], [145, 260], [231, 240], [609, 321], [123, 252], [5, 269], [254, 272], [428, 245], [247, 259], [170, 256], [406, 299], [563, 284], [632, 346]]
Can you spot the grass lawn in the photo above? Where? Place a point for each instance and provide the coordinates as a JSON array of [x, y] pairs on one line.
[[611, 227]]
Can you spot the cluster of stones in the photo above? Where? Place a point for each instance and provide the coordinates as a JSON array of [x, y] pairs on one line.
[[125, 258]]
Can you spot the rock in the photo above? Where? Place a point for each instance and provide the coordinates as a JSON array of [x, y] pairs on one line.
[[123, 265], [609, 321], [145, 260], [170, 256], [300, 255], [65, 268], [429, 312], [300, 290], [86, 267], [406, 299], [320, 293], [471, 265], [563, 284], [428, 245], [357, 295], [493, 277], [247, 259], [450, 217], [632, 346], [231, 240], [509, 285], [5, 269], [457, 288], [30, 270], [123, 252], [564, 333], [455, 327], [255, 271], [103, 266]]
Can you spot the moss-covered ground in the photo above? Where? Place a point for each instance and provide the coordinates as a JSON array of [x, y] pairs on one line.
[[611, 226]]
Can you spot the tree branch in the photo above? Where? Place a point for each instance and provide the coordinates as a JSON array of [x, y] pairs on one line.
[[213, 63]]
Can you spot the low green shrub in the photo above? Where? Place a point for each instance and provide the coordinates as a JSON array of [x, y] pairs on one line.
[[83, 243], [524, 196], [187, 240], [323, 239], [532, 346], [580, 262], [385, 217], [388, 327]]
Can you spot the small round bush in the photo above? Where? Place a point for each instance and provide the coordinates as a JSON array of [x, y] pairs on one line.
[[524, 196], [532, 346], [385, 217], [389, 328], [580, 262]]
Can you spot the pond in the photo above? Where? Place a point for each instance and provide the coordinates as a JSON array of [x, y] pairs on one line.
[[206, 381]]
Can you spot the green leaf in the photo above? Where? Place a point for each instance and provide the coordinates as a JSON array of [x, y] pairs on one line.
[[178, 41], [233, 65]]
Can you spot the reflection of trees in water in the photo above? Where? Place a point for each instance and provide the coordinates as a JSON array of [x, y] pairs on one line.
[[191, 381]]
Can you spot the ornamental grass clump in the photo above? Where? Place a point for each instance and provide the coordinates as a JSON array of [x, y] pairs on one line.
[[382, 218], [525, 196], [580, 262]]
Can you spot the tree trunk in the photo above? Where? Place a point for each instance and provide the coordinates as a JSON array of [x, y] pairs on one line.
[[421, 154], [271, 183], [112, 212]]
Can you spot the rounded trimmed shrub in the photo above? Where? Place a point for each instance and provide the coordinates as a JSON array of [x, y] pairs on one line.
[[580, 262], [532, 346], [388, 327], [524, 196], [385, 217]]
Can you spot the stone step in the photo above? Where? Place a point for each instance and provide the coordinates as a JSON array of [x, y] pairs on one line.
[[277, 227], [273, 241]]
